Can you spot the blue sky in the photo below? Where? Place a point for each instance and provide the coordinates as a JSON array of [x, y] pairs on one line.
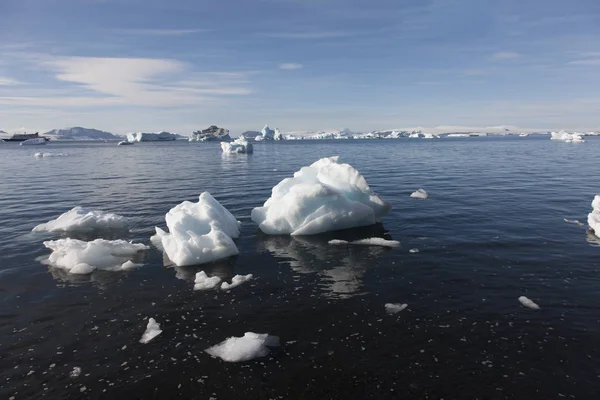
[[130, 65]]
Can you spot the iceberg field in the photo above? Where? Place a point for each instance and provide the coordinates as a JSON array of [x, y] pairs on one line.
[[83, 220], [325, 196], [199, 232], [250, 346], [594, 216], [240, 146], [79, 257]]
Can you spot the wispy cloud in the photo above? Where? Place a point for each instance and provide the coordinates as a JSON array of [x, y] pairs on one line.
[[9, 81], [591, 61], [290, 66], [307, 35], [157, 31], [505, 55]]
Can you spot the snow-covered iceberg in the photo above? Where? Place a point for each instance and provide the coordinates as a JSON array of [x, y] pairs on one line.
[[80, 219], [80, 257], [152, 136], [594, 216], [325, 196], [567, 137], [239, 146], [211, 134], [248, 347], [199, 232]]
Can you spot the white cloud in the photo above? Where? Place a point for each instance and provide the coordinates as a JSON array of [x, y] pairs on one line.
[[505, 55], [9, 81], [157, 31], [592, 61], [290, 66], [308, 35]]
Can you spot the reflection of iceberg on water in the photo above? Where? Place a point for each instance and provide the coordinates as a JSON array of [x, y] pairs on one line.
[[340, 268]]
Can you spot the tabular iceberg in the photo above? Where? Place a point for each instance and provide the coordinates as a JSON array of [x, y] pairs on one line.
[[325, 196], [199, 232], [79, 257], [594, 216], [83, 220], [239, 146], [151, 136], [251, 345]]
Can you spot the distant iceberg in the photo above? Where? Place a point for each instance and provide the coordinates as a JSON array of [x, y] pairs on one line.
[[267, 133], [151, 137], [81, 219], [567, 137], [211, 134], [594, 216], [325, 196], [239, 146], [80, 257], [199, 232]]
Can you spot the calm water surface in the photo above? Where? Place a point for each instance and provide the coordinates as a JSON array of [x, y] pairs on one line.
[[492, 230]]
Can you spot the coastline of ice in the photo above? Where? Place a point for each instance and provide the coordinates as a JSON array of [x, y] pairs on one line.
[[594, 216], [326, 196], [198, 232], [248, 347], [374, 241], [79, 257], [152, 331], [80, 219], [238, 146], [419, 194]]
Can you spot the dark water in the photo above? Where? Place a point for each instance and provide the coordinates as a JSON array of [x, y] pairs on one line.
[[491, 231]]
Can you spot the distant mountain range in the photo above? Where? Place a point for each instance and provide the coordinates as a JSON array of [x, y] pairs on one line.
[[78, 132]]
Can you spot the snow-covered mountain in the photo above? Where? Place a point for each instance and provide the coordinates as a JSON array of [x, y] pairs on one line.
[[78, 132]]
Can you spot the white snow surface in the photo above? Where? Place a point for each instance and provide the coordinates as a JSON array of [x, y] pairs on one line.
[[204, 282], [567, 137], [199, 232], [236, 281], [528, 303], [594, 216], [80, 219], [419, 194], [152, 331], [239, 146], [394, 308], [374, 241], [79, 257], [326, 196], [245, 348]]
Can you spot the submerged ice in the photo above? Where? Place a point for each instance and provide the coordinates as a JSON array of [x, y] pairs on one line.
[[80, 257], [326, 196], [248, 347], [594, 216], [199, 232], [374, 241], [83, 220]]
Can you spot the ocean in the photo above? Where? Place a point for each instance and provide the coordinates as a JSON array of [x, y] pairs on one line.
[[492, 229]]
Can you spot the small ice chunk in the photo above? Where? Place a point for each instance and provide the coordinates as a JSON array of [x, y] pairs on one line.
[[152, 331], [419, 194], [42, 155], [236, 281], [528, 303], [594, 216], [374, 241], [130, 265], [413, 250], [338, 241], [245, 348], [238, 146], [76, 372], [203, 282], [83, 220], [573, 221], [80, 257], [394, 308]]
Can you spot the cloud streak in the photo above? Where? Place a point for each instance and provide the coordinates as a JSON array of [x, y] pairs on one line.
[[290, 66]]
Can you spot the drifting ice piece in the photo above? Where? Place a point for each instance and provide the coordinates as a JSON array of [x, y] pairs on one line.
[[236, 281], [419, 194], [152, 331], [528, 303], [245, 348], [325, 196], [203, 282], [374, 241], [240, 146], [199, 232], [393, 308], [594, 216], [83, 220]]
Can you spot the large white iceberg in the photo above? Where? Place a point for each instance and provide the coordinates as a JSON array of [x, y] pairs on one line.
[[80, 257], [326, 196], [567, 137], [240, 145], [151, 136], [250, 346], [594, 216], [199, 232], [83, 220]]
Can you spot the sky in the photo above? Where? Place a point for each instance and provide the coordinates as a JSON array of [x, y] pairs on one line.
[[299, 65]]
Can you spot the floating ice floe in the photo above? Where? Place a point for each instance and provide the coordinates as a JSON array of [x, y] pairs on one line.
[[528, 303], [594, 216], [239, 146], [326, 196], [80, 219], [394, 308], [43, 155], [152, 331], [79, 257], [573, 221], [419, 194], [204, 282], [567, 137], [374, 241], [199, 232], [75, 372], [413, 250], [236, 281], [245, 348]]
